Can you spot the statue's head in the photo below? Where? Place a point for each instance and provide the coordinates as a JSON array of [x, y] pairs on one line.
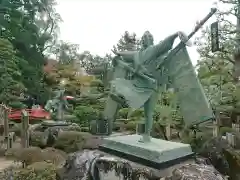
[[147, 39]]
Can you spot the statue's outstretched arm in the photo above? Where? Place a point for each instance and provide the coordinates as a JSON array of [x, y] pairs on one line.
[[165, 45]]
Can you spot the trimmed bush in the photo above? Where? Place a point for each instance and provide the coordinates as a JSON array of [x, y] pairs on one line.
[[74, 127], [92, 142], [224, 130], [70, 118], [38, 138], [96, 83], [85, 114], [130, 126], [123, 113], [84, 129], [36, 171], [26, 155], [126, 113], [34, 154], [71, 141], [17, 105], [54, 156], [136, 115]]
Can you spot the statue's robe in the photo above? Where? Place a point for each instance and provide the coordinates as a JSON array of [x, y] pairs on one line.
[[179, 71], [54, 103], [138, 90]]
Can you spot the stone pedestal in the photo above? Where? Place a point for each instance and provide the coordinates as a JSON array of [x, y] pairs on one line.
[[157, 151]]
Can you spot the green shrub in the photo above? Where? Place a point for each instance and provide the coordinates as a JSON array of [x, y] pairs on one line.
[[70, 118], [85, 114], [158, 131], [74, 127], [86, 101], [54, 156], [28, 155], [32, 155], [17, 105], [36, 171], [123, 113], [38, 139], [99, 104], [84, 129], [96, 83], [71, 141], [136, 115], [130, 126], [224, 130], [198, 141], [126, 113]]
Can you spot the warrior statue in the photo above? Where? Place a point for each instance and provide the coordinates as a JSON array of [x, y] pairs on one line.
[[57, 104], [153, 66], [140, 92]]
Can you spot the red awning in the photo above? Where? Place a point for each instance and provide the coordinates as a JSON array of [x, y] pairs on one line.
[[69, 97]]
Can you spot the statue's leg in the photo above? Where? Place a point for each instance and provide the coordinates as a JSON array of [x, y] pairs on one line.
[[149, 107]]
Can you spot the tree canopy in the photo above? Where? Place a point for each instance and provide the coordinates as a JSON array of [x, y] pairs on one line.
[[218, 71], [31, 28]]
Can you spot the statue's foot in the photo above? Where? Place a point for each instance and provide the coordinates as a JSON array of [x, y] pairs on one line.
[[145, 139], [117, 98]]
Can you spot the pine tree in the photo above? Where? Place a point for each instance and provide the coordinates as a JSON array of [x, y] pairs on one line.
[[128, 42]]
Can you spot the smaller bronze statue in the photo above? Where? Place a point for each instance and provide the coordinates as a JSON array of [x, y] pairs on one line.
[[57, 104]]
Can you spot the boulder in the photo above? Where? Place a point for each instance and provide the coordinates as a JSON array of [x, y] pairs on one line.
[[71, 141], [222, 156], [196, 172], [97, 165]]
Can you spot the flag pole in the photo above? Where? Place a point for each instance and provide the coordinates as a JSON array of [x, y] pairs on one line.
[[182, 44]]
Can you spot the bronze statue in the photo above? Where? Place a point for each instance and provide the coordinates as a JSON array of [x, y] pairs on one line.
[[154, 66], [140, 91]]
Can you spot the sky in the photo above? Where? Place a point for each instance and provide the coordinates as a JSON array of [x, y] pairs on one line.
[[97, 25]]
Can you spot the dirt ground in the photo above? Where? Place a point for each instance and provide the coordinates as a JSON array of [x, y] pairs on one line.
[[4, 163]]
